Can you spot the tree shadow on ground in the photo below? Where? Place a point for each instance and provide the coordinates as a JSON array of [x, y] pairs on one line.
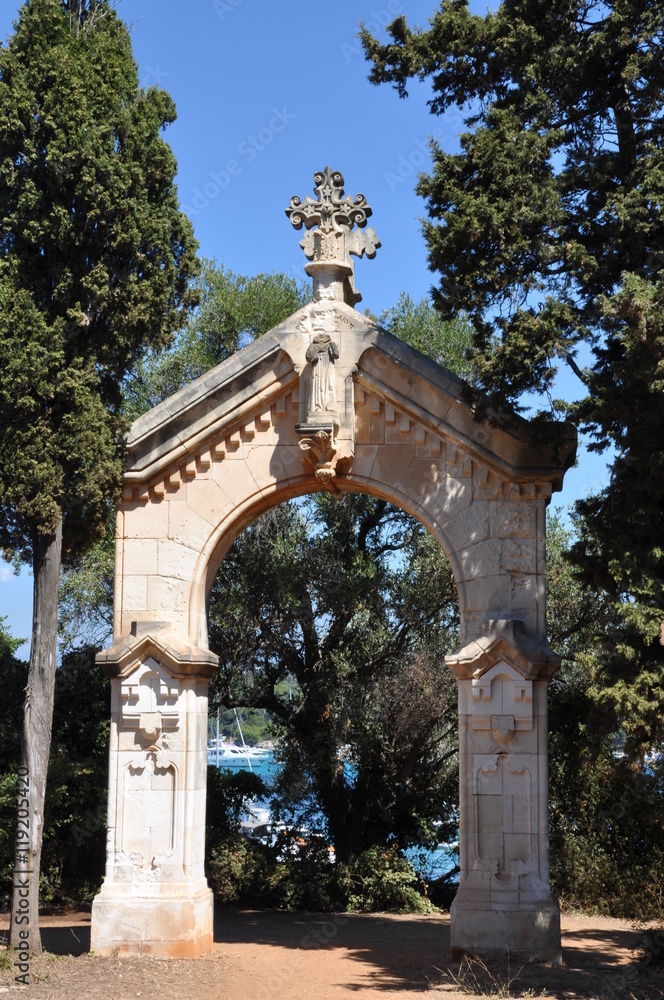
[[393, 953]]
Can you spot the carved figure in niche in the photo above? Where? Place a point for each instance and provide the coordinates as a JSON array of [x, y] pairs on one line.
[[321, 354]]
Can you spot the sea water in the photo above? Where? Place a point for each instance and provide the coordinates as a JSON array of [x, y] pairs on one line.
[[432, 863]]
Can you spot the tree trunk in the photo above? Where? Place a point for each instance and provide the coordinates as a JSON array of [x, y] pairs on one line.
[[36, 743], [345, 810]]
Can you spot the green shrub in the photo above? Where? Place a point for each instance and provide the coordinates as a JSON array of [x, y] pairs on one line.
[[382, 880], [295, 876], [232, 869]]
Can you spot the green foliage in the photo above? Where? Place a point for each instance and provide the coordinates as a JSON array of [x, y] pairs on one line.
[[85, 601], [8, 644], [353, 604], [545, 229], [229, 794], [420, 325], [8, 795], [75, 810], [294, 875], [605, 809], [381, 879], [233, 310], [74, 847], [255, 725], [13, 680], [235, 870], [607, 834], [96, 262], [57, 451], [557, 188]]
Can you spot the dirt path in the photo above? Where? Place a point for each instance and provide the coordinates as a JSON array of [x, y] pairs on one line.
[[263, 955]]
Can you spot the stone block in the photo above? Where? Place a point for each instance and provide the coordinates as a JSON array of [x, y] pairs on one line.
[[175, 560], [139, 556], [391, 464], [526, 933], [447, 499], [134, 594], [481, 559], [422, 477], [187, 527], [265, 465], [148, 520], [213, 499], [365, 456], [166, 595], [174, 925]]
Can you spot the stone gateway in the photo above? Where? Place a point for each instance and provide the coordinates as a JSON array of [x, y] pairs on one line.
[[328, 400]]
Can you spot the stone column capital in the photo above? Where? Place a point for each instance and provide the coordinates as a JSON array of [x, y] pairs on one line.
[[154, 639], [504, 639]]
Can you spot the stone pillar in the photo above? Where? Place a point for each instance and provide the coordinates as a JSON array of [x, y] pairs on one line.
[[155, 899], [504, 901]]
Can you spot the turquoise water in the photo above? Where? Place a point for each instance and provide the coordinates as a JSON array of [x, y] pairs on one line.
[[431, 863], [265, 767]]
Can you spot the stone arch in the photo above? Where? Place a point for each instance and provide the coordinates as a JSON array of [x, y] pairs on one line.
[[220, 540], [329, 400]]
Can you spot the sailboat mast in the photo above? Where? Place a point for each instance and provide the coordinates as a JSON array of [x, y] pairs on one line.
[[244, 745]]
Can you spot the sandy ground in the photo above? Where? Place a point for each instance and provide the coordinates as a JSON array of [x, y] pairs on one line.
[[264, 955]]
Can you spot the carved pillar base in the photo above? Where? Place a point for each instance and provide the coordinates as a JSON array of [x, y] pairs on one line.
[[175, 924], [484, 923], [504, 903]]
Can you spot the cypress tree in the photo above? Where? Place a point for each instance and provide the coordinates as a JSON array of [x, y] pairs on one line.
[[95, 263]]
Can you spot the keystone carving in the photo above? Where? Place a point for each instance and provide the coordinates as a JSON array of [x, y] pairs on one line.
[[321, 451]]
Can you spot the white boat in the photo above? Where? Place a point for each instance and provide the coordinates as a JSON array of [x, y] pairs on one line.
[[222, 753], [225, 753]]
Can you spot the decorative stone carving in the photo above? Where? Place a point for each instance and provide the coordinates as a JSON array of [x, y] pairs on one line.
[[326, 431], [321, 354], [330, 245], [331, 210], [321, 451], [502, 702], [503, 812]]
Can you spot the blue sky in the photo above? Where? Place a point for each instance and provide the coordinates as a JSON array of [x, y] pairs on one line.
[[266, 94]]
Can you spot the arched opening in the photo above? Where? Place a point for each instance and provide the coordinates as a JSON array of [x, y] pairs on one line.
[[334, 616]]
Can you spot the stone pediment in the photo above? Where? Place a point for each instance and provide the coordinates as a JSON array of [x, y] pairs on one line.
[[241, 398]]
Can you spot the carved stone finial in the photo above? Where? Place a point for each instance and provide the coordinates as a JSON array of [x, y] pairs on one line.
[[330, 244], [331, 210]]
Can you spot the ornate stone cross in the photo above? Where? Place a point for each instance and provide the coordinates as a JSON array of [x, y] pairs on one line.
[[331, 237]]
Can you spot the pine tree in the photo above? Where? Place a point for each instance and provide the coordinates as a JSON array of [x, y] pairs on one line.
[[546, 228], [96, 259]]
